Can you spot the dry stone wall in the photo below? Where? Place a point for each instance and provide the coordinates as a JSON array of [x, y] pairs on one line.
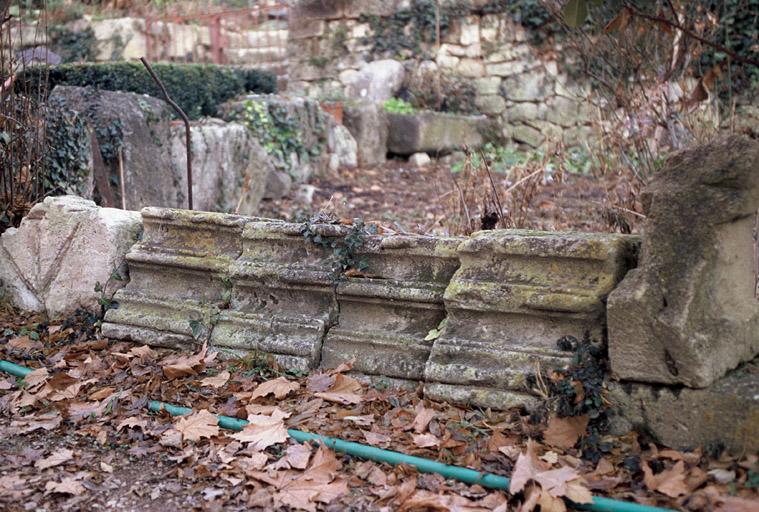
[[333, 45]]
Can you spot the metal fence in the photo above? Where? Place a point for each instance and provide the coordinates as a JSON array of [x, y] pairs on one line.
[[255, 36]]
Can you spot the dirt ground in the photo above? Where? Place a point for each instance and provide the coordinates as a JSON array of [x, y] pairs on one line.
[[423, 200], [77, 436]]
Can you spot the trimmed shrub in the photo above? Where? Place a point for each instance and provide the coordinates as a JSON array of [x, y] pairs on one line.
[[198, 89]]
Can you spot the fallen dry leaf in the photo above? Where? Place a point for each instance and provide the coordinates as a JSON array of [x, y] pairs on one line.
[[197, 425], [216, 381], [67, 485], [362, 421], [182, 366], [426, 440], [670, 481], [345, 390], [279, 387], [55, 459], [36, 377], [565, 432], [264, 431], [296, 457], [133, 422], [376, 439], [422, 419]]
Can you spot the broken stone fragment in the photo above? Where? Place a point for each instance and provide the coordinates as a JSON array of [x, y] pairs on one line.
[[690, 311], [63, 248]]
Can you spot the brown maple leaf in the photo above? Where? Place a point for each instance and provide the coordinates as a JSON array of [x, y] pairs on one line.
[[197, 425], [216, 381], [422, 419], [263, 431], [345, 390], [55, 459], [68, 485], [280, 388], [565, 432], [670, 481]]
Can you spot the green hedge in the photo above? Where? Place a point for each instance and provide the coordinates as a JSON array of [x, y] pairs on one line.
[[198, 88]]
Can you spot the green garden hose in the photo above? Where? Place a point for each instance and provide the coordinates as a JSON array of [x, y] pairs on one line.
[[466, 475]]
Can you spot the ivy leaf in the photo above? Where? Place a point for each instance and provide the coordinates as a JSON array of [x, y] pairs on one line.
[[575, 13]]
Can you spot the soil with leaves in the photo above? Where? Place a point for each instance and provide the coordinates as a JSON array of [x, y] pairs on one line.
[[402, 198], [77, 434]]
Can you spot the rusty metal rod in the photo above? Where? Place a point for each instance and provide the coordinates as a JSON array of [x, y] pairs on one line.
[[186, 120]]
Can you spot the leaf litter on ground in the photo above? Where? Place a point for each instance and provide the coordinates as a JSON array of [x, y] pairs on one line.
[[79, 435]]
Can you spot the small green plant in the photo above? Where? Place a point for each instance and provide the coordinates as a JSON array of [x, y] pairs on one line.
[[579, 389], [398, 106], [106, 291], [344, 250]]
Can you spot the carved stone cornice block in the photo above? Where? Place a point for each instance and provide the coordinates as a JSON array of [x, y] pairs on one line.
[[179, 273], [514, 296], [386, 313], [283, 297]]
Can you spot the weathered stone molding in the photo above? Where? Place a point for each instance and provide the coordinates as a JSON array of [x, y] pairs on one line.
[[514, 296], [259, 285], [178, 274], [386, 315], [283, 294]]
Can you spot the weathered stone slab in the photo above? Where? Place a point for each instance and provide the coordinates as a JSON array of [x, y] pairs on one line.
[[386, 314], [64, 246], [230, 168], [368, 124], [690, 312], [514, 296], [283, 297], [179, 277], [433, 132], [725, 413], [137, 126]]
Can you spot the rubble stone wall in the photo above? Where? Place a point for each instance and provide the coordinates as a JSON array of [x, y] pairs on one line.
[[331, 43]]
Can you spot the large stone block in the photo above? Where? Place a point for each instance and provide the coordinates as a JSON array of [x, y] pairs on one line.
[[690, 312], [368, 124], [514, 296], [298, 121], [377, 81], [725, 413], [386, 314], [179, 278], [283, 296], [230, 168], [64, 246], [142, 127], [433, 132]]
